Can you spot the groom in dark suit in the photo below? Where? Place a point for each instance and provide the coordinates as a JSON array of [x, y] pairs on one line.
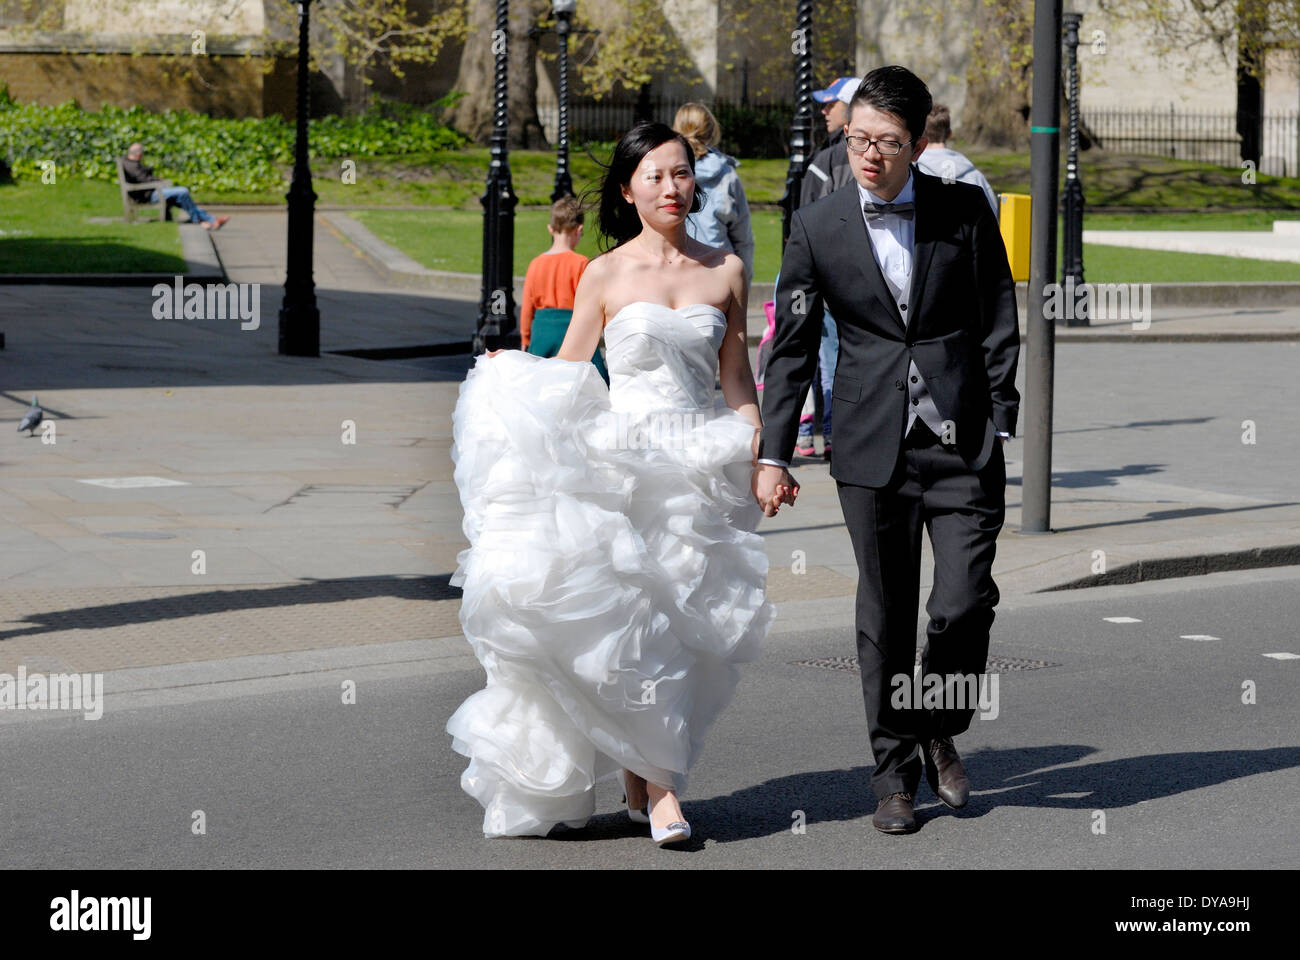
[[915, 272]]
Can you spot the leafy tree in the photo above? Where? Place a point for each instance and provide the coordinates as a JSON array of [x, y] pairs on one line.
[[370, 35]]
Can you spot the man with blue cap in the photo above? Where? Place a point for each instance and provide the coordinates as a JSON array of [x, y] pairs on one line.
[[827, 171], [829, 168]]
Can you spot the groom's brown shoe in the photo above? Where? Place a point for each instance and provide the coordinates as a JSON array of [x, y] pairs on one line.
[[895, 814], [944, 772]]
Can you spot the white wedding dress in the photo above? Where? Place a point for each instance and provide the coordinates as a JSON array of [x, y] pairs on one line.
[[613, 579]]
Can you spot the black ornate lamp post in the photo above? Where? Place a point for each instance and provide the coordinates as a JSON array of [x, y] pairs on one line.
[[801, 129], [299, 318], [1072, 240], [642, 109], [563, 10], [496, 309]]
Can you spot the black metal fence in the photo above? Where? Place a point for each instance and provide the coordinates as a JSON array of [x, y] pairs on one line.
[[763, 130], [748, 130], [1199, 136]]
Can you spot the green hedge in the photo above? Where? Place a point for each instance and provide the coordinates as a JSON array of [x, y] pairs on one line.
[[756, 132], [203, 152]]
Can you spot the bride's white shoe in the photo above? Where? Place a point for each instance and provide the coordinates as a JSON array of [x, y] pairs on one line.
[[675, 832], [636, 815]]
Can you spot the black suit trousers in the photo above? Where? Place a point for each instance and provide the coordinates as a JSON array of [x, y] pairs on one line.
[[963, 510]]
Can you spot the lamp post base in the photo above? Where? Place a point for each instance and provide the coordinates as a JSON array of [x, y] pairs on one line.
[[300, 329]]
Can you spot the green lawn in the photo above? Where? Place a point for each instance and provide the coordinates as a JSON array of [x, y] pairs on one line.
[[1237, 220], [445, 178], [43, 229], [455, 178], [1130, 265], [452, 240], [1119, 180]]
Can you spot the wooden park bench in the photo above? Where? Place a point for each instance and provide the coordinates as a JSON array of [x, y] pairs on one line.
[[130, 206]]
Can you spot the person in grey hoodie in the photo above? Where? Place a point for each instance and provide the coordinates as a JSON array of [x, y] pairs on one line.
[[724, 220], [939, 160]]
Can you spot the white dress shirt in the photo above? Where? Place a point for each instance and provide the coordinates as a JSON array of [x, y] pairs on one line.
[[893, 239]]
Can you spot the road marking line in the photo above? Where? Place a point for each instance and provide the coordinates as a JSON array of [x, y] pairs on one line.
[[1198, 636], [123, 483], [1283, 656], [1121, 620]]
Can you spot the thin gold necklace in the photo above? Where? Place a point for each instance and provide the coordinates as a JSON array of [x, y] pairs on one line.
[[680, 255]]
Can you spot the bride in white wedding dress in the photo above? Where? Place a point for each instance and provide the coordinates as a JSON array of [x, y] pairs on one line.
[[613, 580]]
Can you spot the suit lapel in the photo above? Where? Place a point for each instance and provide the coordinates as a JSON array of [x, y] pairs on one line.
[[924, 233], [862, 254]]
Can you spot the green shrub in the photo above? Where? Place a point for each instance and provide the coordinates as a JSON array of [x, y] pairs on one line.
[[760, 131], [245, 155]]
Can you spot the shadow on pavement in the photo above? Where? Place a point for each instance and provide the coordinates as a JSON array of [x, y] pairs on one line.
[[1075, 479], [1138, 424], [1031, 777], [74, 338], [158, 609], [1156, 516], [82, 255]]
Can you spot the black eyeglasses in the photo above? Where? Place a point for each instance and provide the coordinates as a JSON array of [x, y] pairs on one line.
[[886, 148]]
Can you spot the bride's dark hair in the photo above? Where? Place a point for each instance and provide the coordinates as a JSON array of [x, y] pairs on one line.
[[617, 219]]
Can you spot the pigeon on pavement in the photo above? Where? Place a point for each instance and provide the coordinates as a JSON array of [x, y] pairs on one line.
[[32, 419]]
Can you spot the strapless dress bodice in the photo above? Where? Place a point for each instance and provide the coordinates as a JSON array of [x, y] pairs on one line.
[[663, 358]]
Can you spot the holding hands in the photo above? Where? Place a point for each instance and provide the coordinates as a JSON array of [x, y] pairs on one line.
[[773, 486]]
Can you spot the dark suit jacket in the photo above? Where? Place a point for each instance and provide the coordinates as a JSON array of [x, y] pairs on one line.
[[963, 331]]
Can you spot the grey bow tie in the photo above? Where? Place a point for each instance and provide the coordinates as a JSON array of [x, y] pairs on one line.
[[874, 210]]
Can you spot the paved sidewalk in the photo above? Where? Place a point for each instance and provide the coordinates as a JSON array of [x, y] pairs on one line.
[[358, 307], [311, 542], [1283, 244]]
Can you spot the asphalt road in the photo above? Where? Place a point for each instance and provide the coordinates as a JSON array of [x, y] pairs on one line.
[[1130, 721]]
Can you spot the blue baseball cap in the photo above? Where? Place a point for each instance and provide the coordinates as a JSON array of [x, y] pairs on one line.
[[842, 88]]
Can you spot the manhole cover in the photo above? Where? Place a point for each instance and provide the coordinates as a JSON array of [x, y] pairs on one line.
[[344, 495], [995, 664], [830, 663]]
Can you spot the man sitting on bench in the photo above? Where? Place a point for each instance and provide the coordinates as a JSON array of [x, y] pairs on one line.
[[137, 172]]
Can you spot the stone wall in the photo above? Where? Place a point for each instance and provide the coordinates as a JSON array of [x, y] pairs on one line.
[[218, 86]]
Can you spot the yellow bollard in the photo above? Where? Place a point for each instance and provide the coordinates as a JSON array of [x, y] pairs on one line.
[[1014, 220]]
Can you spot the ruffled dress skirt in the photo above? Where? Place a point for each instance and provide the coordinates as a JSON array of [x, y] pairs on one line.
[[612, 585]]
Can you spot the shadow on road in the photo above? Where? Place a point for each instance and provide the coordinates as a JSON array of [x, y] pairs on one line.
[[1032, 777]]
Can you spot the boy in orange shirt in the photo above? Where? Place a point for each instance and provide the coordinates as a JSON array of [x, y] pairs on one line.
[[550, 283]]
